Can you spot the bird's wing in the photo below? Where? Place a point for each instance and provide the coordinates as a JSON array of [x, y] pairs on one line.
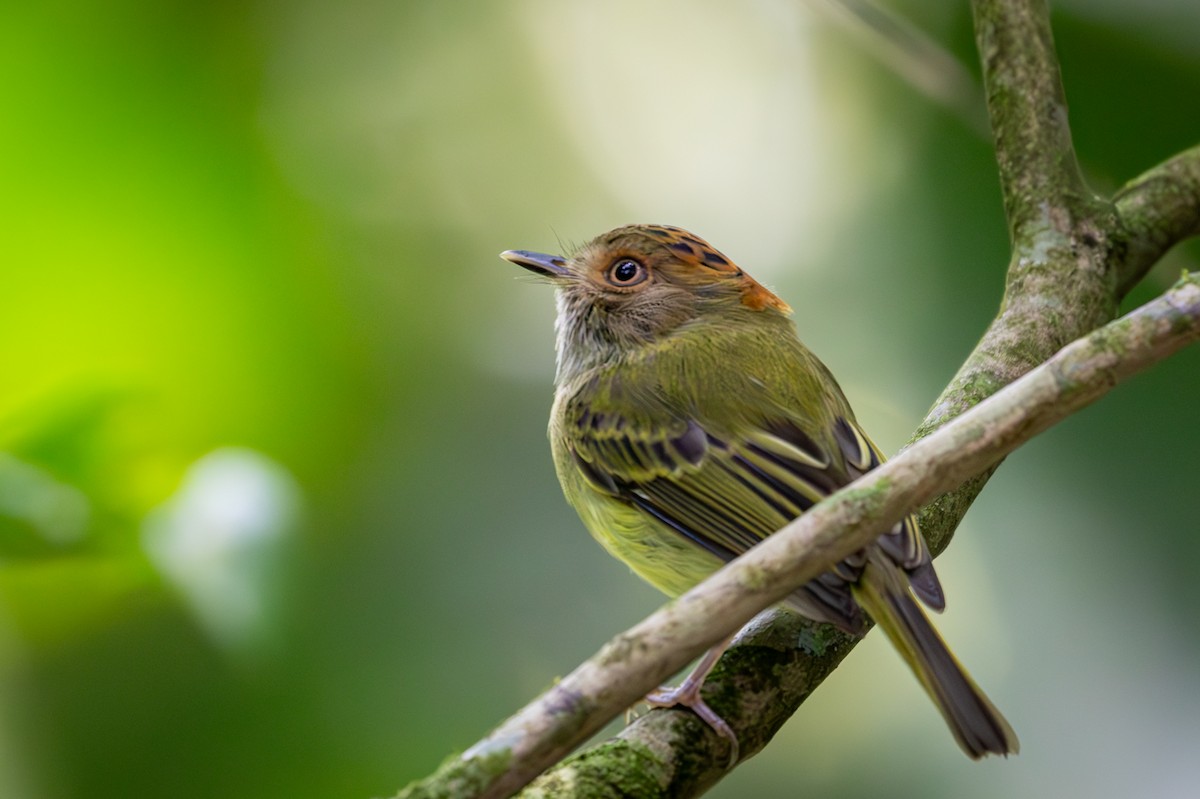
[[725, 491]]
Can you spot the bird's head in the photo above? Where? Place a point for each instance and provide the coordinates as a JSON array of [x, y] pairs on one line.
[[633, 285]]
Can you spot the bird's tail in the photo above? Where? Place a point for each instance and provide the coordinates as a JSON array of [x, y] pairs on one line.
[[978, 726]]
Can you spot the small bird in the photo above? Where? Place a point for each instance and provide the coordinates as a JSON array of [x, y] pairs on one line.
[[689, 423]]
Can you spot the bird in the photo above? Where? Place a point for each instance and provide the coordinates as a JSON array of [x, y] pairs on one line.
[[690, 422]]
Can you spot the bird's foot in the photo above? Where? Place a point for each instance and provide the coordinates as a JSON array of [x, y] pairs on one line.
[[687, 693]]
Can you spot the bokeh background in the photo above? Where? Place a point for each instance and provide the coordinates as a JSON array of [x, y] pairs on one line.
[[277, 514]]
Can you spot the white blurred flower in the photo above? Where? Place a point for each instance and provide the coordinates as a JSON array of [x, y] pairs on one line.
[[218, 539]]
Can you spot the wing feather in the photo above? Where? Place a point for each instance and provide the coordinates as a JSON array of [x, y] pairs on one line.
[[727, 492]]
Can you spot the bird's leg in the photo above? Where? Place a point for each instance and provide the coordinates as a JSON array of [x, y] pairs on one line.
[[687, 693]]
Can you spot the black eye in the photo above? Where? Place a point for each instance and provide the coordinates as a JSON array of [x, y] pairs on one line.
[[626, 272]]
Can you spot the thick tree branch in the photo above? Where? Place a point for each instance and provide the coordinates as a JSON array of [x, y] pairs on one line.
[[1059, 282], [1028, 112], [1074, 256]]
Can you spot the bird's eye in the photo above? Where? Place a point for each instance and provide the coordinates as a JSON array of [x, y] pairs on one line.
[[626, 272]]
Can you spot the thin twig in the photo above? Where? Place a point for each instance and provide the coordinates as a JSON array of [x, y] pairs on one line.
[[1158, 210], [912, 55]]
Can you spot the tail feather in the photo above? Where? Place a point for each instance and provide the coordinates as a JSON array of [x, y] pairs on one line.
[[978, 726]]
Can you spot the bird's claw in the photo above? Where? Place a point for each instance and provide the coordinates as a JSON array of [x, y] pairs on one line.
[[688, 695]]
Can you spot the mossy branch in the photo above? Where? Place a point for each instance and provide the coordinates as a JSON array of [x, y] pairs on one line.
[[1156, 211], [1027, 107], [1074, 256]]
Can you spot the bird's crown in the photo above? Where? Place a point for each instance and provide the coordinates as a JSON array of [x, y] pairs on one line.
[[687, 257]]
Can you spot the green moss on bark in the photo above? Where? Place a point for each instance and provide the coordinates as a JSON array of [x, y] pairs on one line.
[[458, 777]]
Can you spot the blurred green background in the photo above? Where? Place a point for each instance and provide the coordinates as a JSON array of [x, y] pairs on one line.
[[277, 514]]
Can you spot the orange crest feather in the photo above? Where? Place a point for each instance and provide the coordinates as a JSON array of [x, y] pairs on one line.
[[698, 252]]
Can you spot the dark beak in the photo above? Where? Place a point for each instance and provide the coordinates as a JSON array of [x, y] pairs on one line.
[[542, 264]]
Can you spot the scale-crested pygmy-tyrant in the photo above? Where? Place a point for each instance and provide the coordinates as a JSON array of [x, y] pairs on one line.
[[690, 422]]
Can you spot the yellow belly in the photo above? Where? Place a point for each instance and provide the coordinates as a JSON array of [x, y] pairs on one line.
[[656, 553]]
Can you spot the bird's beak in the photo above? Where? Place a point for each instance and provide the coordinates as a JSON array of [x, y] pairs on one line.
[[553, 266]]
